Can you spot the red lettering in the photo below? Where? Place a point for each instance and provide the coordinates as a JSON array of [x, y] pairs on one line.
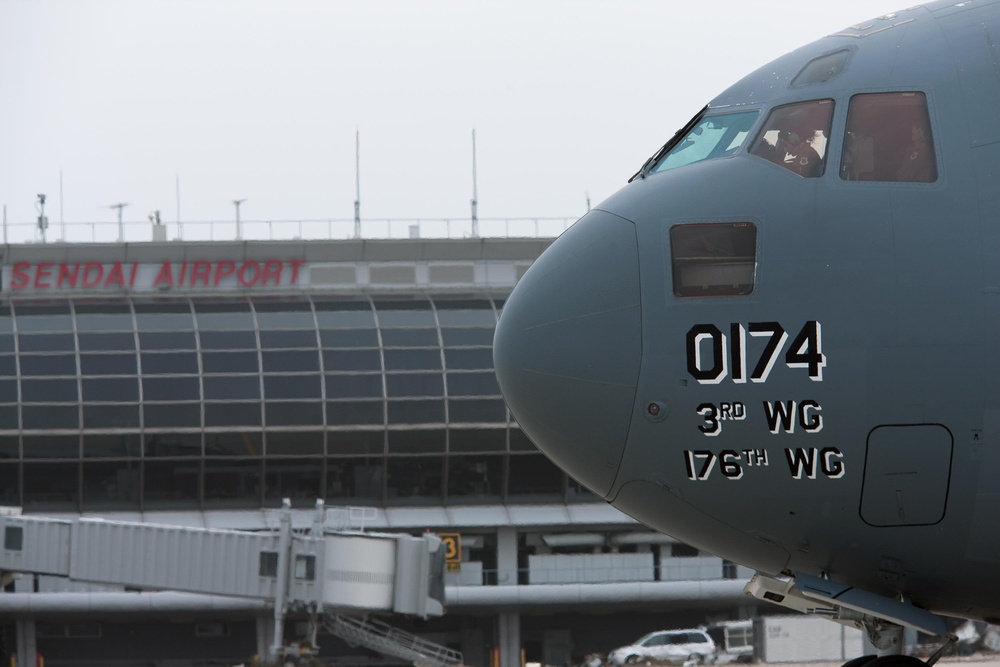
[[166, 275], [92, 274], [224, 269], [67, 276], [200, 270], [195, 273], [296, 265], [19, 276], [243, 273], [115, 276], [272, 268], [43, 270]]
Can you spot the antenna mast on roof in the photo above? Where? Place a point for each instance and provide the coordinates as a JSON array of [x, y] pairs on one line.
[[475, 190], [239, 228], [62, 221], [177, 186], [43, 220], [357, 184], [121, 226]]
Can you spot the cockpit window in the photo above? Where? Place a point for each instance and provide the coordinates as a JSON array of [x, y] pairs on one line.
[[889, 139], [713, 136], [713, 259], [795, 137]]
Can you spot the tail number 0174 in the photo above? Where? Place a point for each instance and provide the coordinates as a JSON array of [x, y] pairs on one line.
[[712, 356]]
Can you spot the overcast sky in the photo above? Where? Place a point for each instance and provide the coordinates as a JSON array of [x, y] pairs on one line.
[[261, 100]]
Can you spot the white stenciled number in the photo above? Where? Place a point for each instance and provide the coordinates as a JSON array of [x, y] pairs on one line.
[[711, 355], [807, 351], [776, 339], [730, 465], [700, 337], [710, 414], [699, 463], [738, 335]]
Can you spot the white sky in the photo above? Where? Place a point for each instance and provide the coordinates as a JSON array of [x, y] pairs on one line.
[[261, 100]]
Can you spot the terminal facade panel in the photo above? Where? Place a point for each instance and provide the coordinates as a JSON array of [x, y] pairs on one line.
[[206, 382]]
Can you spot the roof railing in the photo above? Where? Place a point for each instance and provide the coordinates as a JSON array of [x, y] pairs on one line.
[[284, 230]]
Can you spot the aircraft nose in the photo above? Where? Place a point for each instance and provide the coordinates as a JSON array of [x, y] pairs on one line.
[[568, 344]]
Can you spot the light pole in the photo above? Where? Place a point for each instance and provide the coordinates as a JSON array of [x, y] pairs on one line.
[[239, 230]]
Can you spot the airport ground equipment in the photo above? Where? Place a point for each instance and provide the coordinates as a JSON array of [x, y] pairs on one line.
[[321, 571]]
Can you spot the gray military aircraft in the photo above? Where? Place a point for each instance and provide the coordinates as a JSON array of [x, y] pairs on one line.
[[779, 342]]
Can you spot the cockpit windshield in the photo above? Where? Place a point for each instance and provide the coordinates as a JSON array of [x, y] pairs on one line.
[[713, 136]]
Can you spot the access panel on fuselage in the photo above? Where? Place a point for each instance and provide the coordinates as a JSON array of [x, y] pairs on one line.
[[907, 473]]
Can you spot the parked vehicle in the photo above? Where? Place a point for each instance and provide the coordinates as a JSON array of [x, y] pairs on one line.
[[676, 647]]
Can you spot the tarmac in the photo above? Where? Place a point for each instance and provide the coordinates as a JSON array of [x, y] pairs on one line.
[[974, 660]]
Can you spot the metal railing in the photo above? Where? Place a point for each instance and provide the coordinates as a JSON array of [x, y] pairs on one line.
[[387, 640], [275, 230], [350, 518]]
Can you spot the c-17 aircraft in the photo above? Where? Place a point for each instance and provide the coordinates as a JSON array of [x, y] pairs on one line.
[[780, 341]]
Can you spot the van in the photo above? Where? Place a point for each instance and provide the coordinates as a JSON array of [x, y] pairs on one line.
[[675, 647]]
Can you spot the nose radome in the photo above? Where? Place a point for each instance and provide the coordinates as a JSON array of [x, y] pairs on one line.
[[568, 345]]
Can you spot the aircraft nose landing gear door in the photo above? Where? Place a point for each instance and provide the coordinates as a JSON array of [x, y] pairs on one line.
[[907, 472]]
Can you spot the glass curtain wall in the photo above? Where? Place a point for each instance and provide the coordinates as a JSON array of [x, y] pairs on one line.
[[238, 402]]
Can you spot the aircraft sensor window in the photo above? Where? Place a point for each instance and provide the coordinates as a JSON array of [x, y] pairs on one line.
[[823, 68], [714, 136], [795, 137], [889, 139], [713, 259]]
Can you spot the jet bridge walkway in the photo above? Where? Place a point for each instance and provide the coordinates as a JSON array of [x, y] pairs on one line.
[[325, 572]]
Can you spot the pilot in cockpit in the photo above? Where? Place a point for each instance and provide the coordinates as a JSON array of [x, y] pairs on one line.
[[795, 136], [799, 154]]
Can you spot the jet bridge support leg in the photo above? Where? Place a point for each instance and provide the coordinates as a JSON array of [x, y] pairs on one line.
[[265, 636], [27, 649], [280, 602]]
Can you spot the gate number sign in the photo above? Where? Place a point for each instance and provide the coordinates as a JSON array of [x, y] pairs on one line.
[[452, 547]]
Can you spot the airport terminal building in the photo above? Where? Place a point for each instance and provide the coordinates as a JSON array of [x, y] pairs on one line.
[[200, 383]]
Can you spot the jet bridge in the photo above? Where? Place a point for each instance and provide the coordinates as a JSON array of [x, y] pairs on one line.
[[322, 571]]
